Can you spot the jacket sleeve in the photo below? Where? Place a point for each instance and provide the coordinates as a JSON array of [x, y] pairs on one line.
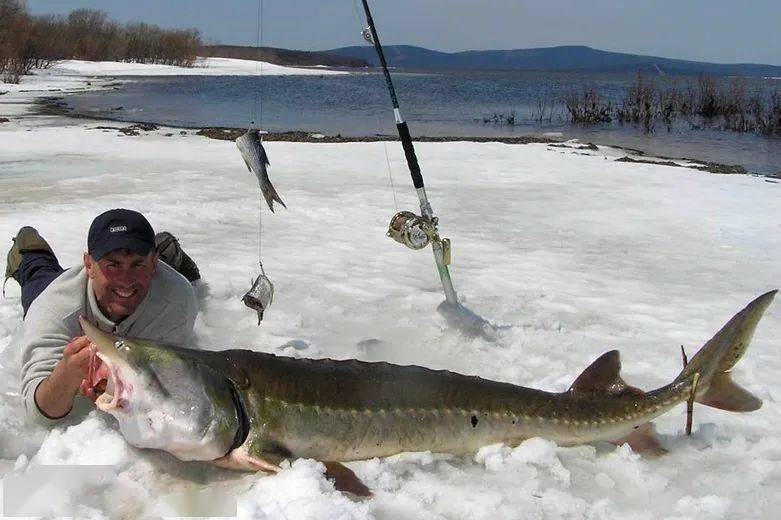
[[44, 340], [192, 314]]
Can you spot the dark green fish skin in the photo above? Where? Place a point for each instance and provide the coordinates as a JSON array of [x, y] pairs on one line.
[[349, 410], [352, 410]]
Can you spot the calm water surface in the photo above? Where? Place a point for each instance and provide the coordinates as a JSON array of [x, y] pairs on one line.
[[434, 104]]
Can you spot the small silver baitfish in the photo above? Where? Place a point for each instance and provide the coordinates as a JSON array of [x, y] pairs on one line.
[[255, 158], [248, 410]]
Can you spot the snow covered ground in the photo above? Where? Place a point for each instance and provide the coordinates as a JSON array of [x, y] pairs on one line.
[[73, 75], [571, 254], [202, 67]]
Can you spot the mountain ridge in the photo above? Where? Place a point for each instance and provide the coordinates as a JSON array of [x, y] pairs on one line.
[[576, 58]]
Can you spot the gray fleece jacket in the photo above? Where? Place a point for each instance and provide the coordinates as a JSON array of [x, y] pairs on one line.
[[166, 314]]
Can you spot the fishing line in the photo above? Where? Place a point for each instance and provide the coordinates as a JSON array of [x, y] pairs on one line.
[[258, 90], [260, 45], [360, 25], [390, 175], [257, 63], [357, 16]]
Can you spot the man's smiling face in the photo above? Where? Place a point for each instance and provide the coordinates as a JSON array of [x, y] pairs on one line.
[[120, 281]]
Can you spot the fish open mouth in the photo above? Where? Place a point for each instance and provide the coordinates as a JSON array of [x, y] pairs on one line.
[[95, 377], [114, 397]]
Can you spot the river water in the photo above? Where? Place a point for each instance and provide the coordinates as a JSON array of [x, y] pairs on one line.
[[435, 104]]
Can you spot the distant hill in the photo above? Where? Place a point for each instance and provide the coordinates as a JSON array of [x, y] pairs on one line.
[[564, 58], [282, 56]]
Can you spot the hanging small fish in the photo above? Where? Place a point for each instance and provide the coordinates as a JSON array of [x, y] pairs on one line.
[[260, 295], [255, 158]]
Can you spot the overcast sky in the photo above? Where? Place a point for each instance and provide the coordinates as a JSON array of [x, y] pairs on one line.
[[723, 31]]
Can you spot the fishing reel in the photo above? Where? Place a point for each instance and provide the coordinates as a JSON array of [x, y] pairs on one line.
[[417, 232]]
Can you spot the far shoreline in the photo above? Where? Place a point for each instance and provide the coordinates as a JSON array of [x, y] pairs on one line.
[[53, 106], [42, 94]]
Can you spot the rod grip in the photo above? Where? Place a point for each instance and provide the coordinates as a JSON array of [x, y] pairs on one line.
[[409, 152]]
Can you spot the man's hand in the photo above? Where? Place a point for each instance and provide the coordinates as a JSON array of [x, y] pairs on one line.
[[76, 359], [94, 379], [54, 396]]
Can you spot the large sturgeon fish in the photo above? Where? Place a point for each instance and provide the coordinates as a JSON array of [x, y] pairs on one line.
[[249, 410]]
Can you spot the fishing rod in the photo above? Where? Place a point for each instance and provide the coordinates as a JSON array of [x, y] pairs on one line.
[[405, 227]]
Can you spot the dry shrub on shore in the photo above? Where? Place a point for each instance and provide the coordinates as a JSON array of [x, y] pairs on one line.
[[13, 40], [638, 106], [149, 44], [668, 103], [709, 103], [28, 42], [501, 119], [767, 115], [732, 108], [588, 107], [544, 110]]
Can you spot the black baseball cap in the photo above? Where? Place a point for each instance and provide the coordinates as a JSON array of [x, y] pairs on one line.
[[120, 229]]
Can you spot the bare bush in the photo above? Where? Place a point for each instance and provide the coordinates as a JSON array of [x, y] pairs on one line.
[[140, 42], [734, 109], [17, 49], [148, 43], [710, 103], [86, 29], [28, 42], [50, 38], [543, 111], [709, 99], [774, 115], [766, 116], [668, 103], [501, 119], [638, 106], [588, 107]]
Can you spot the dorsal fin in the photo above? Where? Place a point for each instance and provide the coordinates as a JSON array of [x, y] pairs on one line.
[[603, 377]]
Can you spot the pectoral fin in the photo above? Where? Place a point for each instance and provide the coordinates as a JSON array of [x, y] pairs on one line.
[[343, 477], [240, 460], [643, 440], [345, 480]]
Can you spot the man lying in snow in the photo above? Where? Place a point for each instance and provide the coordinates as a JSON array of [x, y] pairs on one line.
[[121, 288]]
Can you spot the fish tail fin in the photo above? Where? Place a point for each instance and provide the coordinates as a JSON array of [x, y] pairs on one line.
[[716, 358], [723, 393], [271, 195]]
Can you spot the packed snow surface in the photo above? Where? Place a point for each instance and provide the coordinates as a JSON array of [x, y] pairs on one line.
[[202, 67], [570, 255], [70, 74]]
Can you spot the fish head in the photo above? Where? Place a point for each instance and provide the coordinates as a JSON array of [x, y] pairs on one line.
[[165, 397]]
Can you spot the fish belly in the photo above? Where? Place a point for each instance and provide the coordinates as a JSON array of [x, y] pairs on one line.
[[344, 434]]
